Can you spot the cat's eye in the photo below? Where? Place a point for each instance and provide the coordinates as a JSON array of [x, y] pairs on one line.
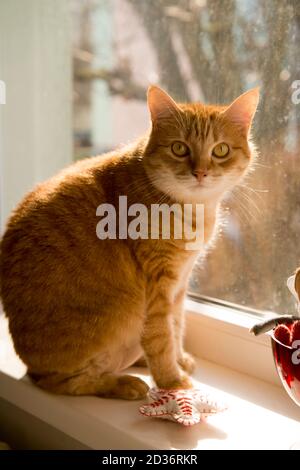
[[220, 150], [180, 149]]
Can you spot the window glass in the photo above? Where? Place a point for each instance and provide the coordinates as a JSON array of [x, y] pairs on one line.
[[207, 51]]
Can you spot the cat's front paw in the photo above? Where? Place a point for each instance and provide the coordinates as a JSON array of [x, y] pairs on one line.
[[187, 362], [183, 382]]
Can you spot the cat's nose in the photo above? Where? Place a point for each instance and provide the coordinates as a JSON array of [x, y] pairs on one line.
[[200, 174]]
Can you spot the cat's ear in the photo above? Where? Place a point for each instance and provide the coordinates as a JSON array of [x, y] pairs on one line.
[[160, 104], [242, 110]]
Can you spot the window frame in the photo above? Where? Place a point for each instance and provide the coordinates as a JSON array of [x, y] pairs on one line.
[[217, 332]]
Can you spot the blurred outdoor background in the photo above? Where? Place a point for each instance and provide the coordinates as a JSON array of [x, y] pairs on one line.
[[210, 51]]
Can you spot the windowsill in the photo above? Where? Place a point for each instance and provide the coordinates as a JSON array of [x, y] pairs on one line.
[[260, 414], [221, 335]]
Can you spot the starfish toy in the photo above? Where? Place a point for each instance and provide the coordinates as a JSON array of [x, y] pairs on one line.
[[182, 406]]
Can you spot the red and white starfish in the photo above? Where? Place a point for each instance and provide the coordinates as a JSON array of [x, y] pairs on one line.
[[182, 406]]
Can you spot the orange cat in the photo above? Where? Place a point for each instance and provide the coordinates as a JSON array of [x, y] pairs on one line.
[[81, 310]]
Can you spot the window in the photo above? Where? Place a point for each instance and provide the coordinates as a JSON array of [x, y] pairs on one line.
[[197, 50], [35, 121], [211, 51]]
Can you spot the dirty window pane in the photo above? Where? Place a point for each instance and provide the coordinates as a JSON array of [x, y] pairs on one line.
[[211, 51]]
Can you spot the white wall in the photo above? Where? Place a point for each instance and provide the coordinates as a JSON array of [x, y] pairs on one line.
[[35, 122]]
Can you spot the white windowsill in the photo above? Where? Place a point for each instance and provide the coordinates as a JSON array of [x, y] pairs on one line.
[[260, 414]]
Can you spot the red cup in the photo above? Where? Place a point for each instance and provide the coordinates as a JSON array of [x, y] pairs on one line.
[[287, 362]]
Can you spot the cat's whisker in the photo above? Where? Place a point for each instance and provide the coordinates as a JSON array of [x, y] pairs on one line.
[[251, 202], [260, 165], [255, 193], [254, 190], [242, 213], [250, 216], [253, 208]]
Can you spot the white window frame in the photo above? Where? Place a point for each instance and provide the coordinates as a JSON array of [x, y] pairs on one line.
[[221, 335]]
